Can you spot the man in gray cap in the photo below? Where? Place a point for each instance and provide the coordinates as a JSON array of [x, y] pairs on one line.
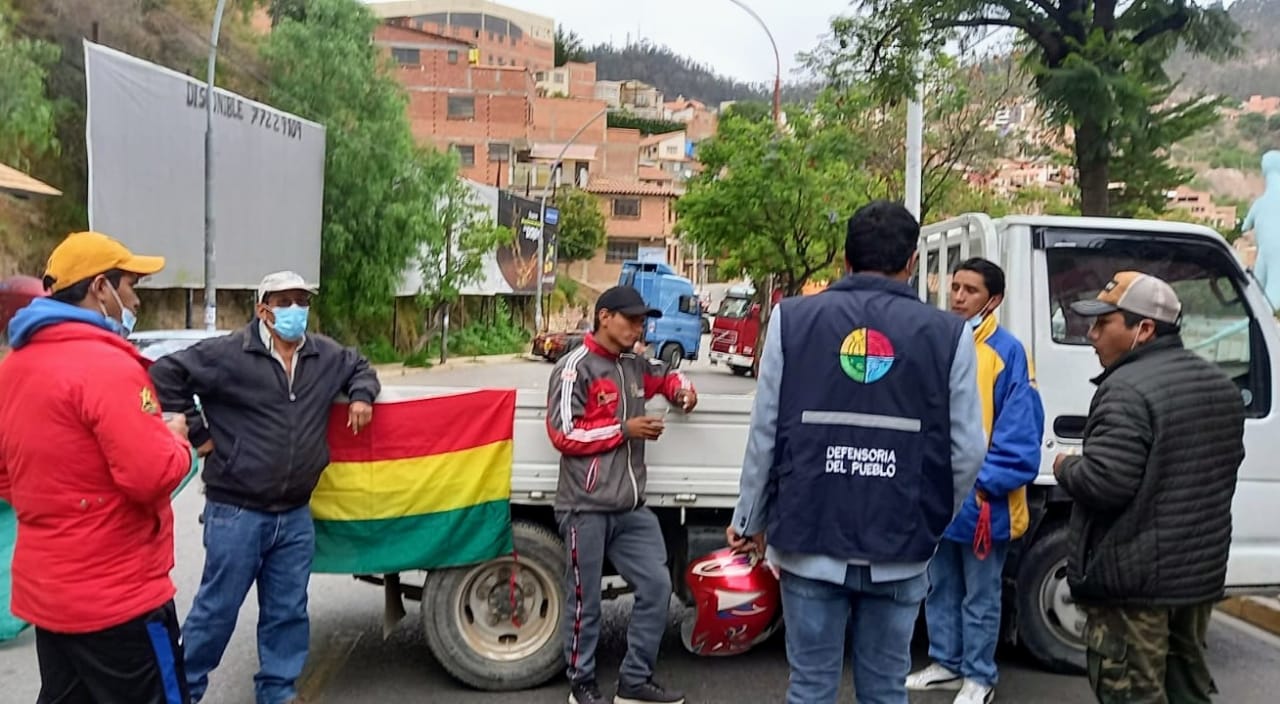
[[1152, 489], [266, 393]]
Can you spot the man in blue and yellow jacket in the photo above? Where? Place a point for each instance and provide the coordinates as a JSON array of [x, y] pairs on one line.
[[963, 607]]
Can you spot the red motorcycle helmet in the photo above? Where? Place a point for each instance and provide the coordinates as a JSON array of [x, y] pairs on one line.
[[736, 603]]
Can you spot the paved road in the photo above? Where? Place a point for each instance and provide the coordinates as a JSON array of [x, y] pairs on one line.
[[353, 664], [707, 378]]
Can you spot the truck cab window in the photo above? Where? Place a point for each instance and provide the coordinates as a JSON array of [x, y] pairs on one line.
[[1217, 323], [734, 308]]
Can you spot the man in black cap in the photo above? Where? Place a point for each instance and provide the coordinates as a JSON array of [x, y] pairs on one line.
[[596, 419]]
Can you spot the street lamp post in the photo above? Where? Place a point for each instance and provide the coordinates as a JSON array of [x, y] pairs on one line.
[[542, 215], [777, 58], [210, 286], [766, 305]]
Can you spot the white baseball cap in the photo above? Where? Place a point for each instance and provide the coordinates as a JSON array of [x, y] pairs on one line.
[[284, 281]]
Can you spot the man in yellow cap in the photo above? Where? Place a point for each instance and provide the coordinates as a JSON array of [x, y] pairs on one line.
[[88, 462]]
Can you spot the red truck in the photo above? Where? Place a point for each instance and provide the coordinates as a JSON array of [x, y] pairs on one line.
[[737, 326], [735, 330]]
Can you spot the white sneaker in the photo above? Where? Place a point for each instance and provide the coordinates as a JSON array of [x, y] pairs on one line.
[[975, 693], [934, 677]]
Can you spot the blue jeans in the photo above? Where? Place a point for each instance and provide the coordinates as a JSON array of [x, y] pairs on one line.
[[241, 547], [880, 617], [963, 609]]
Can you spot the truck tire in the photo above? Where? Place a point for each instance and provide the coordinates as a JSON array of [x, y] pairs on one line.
[[740, 371], [1050, 625], [672, 354], [467, 615]]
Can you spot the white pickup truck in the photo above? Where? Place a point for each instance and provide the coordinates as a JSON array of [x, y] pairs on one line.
[[469, 614]]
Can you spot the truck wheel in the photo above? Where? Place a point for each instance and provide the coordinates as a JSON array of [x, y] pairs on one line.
[[740, 371], [672, 354], [1050, 625], [470, 626]]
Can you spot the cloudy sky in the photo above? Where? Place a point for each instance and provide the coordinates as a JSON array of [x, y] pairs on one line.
[[714, 32]]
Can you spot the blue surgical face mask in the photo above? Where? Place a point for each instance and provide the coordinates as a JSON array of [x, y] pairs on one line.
[[124, 326], [291, 322], [976, 320]]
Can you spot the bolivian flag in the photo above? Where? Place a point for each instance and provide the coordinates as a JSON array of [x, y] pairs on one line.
[[427, 485]]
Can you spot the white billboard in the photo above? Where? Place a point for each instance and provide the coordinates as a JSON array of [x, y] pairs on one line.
[[511, 268], [145, 135]]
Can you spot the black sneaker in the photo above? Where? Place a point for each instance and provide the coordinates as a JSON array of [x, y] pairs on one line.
[[585, 692], [647, 693]]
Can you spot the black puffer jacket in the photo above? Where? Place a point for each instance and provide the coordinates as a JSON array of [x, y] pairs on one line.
[[1151, 524]]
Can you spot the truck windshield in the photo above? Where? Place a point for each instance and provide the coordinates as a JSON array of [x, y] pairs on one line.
[[1217, 324], [734, 308]]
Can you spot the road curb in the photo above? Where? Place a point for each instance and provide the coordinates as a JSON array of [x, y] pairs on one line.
[[394, 370], [1262, 612]]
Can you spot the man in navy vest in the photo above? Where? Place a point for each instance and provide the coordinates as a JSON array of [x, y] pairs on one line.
[[866, 438]]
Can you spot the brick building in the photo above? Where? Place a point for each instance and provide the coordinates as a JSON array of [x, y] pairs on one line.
[[640, 218], [700, 122], [484, 112], [573, 80], [1202, 207], [622, 153], [504, 35]]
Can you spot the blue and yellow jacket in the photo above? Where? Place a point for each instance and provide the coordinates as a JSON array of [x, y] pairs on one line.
[[1013, 419]]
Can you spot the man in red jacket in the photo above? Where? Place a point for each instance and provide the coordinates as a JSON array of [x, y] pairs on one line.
[[89, 463]]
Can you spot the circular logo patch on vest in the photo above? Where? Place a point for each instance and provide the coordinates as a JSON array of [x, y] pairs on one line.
[[866, 355]]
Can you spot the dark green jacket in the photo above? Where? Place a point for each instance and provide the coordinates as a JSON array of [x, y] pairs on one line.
[[1151, 521]]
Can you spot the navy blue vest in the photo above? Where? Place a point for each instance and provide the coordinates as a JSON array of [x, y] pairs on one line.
[[863, 458]]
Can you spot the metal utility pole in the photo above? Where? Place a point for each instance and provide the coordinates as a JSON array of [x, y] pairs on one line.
[[915, 147], [210, 286], [542, 214]]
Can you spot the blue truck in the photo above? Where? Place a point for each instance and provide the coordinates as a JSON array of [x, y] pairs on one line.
[[677, 335]]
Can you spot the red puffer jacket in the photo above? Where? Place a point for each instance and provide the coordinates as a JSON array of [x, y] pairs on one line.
[[89, 465]]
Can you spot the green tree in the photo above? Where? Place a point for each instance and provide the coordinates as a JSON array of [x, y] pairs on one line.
[[569, 46], [645, 125], [774, 203], [1096, 65], [1252, 125], [1140, 160], [28, 117], [582, 230], [325, 68], [757, 110], [455, 236], [957, 138]]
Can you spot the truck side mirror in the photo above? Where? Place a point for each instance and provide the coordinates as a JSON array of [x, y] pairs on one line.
[[755, 310]]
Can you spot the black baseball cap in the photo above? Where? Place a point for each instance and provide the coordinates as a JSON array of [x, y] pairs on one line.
[[627, 301]]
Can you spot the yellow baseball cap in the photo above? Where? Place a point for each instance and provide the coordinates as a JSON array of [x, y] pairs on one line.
[[84, 255]]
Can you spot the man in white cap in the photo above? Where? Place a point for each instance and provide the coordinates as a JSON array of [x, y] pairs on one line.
[[1151, 519], [266, 392]]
